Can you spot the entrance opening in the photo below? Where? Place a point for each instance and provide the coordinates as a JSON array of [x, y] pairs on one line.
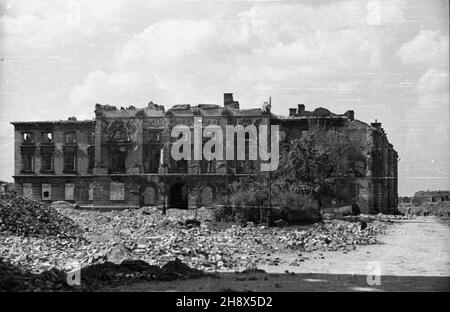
[[207, 196], [178, 196], [149, 196], [118, 162]]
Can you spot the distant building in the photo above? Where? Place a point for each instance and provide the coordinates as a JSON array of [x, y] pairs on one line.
[[122, 159], [430, 196]]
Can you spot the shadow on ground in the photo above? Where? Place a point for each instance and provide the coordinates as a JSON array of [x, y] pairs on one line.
[[293, 282], [175, 276]]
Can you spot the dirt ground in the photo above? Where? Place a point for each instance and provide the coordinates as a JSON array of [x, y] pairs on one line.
[[414, 256]]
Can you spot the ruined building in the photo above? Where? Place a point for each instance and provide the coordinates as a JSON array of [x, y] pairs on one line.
[[430, 196], [122, 157]]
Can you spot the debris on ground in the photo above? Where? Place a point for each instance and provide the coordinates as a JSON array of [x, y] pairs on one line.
[[13, 278], [363, 225], [192, 222], [92, 276], [439, 209], [23, 216], [178, 267], [115, 236], [280, 223], [36, 238]]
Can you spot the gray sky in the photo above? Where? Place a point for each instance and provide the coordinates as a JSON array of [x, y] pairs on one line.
[[385, 60]]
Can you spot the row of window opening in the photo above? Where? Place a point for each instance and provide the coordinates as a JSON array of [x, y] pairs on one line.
[[47, 138], [116, 191]]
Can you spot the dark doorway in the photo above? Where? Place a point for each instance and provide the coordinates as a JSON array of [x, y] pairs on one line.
[[178, 196], [117, 161], [151, 158], [149, 196]]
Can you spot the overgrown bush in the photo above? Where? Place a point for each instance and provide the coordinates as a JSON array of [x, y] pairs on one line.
[[297, 208], [245, 208], [237, 214], [292, 208], [247, 196]]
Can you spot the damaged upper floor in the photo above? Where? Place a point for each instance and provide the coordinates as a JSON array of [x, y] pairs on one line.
[[130, 140]]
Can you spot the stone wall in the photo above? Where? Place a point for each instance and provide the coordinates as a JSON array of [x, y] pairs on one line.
[[129, 130]]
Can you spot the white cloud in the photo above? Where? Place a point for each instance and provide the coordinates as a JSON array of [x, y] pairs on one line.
[[29, 31], [318, 53], [51, 24], [429, 48], [427, 149], [264, 46], [434, 81]]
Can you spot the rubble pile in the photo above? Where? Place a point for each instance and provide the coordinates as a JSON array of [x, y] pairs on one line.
[[22, 216], [132, 270], [37, 254], [439, 209], [93, 276], [147, 235], [332, 236], [154, 239], [364, 217], [177, 267], [202, 214], [16, 279]]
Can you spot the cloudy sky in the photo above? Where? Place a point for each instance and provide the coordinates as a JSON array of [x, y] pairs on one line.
[[385, 60]]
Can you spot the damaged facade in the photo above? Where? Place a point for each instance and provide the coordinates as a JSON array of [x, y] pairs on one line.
[[430, 196], [122, 157]]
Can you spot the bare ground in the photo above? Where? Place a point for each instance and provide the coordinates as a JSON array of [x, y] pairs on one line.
[[414, 256]]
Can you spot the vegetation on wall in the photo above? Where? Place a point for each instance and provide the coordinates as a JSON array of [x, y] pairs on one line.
[[308, 169]]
